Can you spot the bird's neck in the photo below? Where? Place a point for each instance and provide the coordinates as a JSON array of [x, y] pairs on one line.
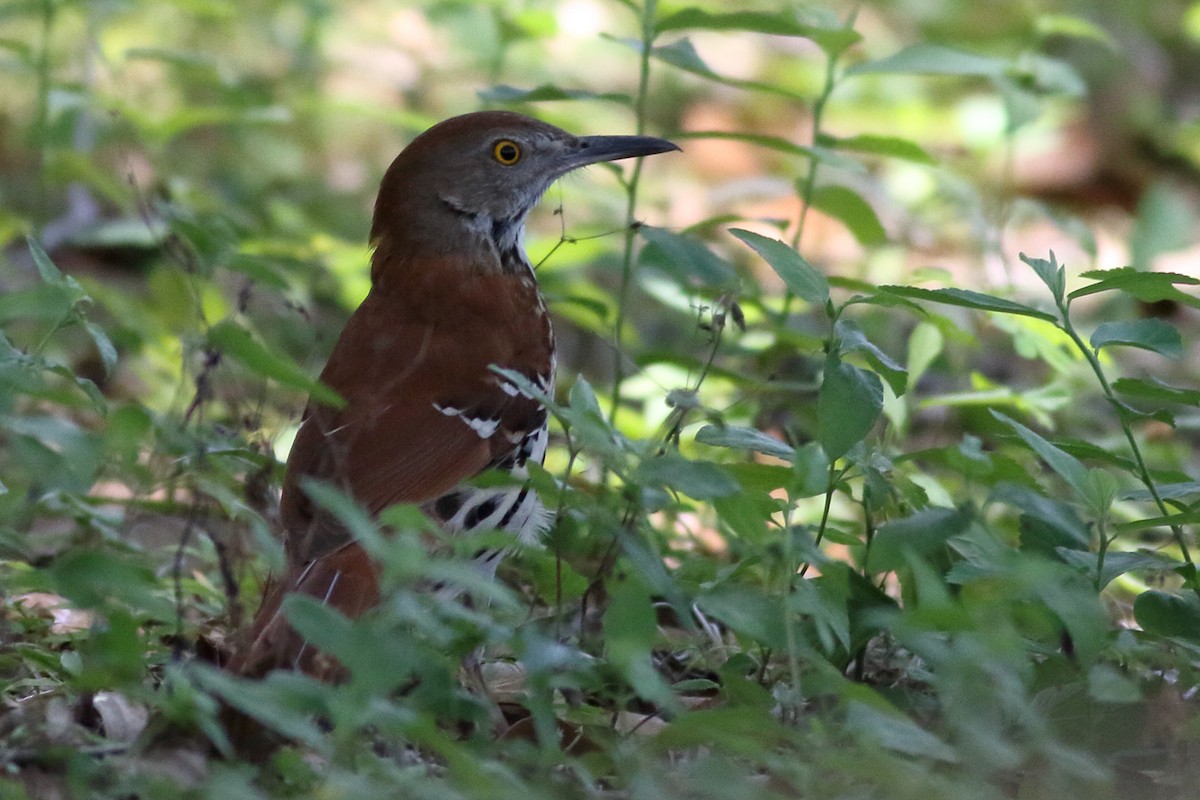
[[489, 245]]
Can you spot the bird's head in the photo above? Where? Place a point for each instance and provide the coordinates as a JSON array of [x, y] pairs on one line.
[[488, 169]]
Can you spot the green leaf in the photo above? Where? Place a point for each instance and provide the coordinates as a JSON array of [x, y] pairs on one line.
[[849, 402], [748, 610], [968, 299], [1165, 222], [45, 267], [547, 92], [1151, 334], [1116, 563], [802, 278], [95, 578], [848, 207], [1153, 389], [892, 730], [1048, 25], [682, 55], [1050, 272], [924, 345], [744, 439], [783, 23], [890, 146], [629, 632], [1165, 614], [686, 259], [236, 342], [1067, 466], [931, 59], [104, 346], [702, 480], [1149, 287], [811, 471], [851, 339], [284, 701], [346, 510], [776, 143], [921, 534]]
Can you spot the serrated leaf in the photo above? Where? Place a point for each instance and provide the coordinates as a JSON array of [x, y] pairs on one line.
[[920, 534], [239, 344], [1149, 287], [931, 59], [744, 439], [802, 278], [1152, 334], [1050, 272], [967, 298], [849, 402], [686, 259], [848, 207]]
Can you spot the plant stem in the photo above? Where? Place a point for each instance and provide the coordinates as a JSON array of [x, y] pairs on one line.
[[649, 12], [810, 180], [1143, 472]]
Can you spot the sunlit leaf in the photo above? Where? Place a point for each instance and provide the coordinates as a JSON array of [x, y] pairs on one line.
[[968, 299], [848, 206], [802, 278], [1050, 272], [1149, 287], [239, 344], [781, 23], [890, 146], [932, 59]]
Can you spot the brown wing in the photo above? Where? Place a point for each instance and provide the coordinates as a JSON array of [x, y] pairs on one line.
[[423, 410]]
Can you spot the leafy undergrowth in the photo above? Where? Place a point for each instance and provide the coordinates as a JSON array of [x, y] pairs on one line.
[[882, 539]]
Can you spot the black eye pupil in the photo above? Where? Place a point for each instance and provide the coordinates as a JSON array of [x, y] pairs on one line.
[[508, 152]]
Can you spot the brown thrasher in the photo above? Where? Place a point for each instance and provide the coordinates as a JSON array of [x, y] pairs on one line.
[[452, 293]]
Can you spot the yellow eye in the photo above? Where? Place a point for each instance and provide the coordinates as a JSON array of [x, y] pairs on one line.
[[507, 152]]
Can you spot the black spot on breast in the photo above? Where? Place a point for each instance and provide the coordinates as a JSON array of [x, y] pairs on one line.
[[481, 511], [448, 505], [513, 510]]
